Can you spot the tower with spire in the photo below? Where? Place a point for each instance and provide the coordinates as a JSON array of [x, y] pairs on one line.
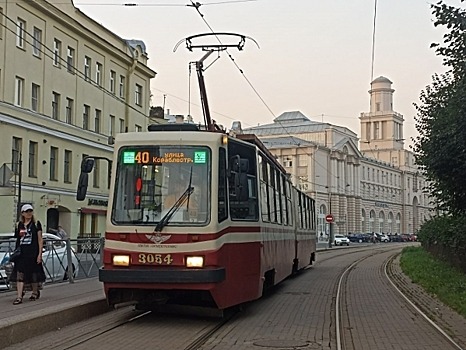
[[382, 127]]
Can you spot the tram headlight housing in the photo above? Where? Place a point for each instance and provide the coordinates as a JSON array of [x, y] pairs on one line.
[[120, 260], [195, 261]]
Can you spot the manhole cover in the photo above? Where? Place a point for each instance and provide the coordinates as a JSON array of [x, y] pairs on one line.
[[281, 344]]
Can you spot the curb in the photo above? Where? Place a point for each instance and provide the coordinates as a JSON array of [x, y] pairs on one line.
[[23, 327]]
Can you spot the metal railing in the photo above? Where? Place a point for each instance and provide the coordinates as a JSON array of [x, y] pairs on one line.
[[83, 253]]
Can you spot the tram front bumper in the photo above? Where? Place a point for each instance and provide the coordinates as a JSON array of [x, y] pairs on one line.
[[206, 275]]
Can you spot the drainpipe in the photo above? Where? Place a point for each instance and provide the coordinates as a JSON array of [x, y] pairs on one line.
[[128, 84]]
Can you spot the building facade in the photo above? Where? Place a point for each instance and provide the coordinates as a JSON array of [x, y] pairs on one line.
[[375, 187], [67, 86]]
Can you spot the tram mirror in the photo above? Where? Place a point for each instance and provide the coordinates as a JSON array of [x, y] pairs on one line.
[[82, 186], [87, 165]]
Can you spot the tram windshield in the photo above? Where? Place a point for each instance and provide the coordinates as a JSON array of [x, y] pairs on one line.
[[152, 181]]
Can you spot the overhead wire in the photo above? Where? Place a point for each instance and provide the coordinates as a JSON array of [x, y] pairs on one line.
[[196, 6]]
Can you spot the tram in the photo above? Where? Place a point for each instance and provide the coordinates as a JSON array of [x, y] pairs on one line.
[[200, 218]]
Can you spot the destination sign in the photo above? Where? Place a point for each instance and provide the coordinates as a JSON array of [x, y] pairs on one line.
[[145, 157]]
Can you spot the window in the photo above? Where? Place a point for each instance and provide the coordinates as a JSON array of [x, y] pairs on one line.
[[69, 110], [86, 117], [222, 185], [287, 161], [35, 97], [19, 91], [111, 126], [377, 130], [112, 81], [37, 42], [122, 87], [377, 106], [137, 128], [55, 105], [98, 73], [56, 52], [138, 95], [87, 68], [96, 173], [70, 60], [53, 163], [122, 125], [32, 169], [97, 119], [109, 174], [16, 154], [20, 33], [67, 167]]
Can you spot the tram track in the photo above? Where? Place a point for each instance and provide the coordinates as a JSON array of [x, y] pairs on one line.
[[347, 334], [162, 329]]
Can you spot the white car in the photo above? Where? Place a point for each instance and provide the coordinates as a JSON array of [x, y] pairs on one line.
[[382, 237], [54, 258], [341, 240]]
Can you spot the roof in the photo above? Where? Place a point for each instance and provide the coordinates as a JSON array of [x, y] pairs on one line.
[[294, 123]]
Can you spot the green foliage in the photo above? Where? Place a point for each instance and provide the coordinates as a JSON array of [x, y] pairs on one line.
[[440, 147], [449, 231], [436, 277]]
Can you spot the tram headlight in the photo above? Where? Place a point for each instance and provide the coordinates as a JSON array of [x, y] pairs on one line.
[[121, 260], [195, 261]]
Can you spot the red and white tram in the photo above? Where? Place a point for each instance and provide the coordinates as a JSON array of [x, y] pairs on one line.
[[200, 218]]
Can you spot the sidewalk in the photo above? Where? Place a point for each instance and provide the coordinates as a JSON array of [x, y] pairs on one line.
[[59, 305]]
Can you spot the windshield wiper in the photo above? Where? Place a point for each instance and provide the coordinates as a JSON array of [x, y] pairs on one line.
[[179, 202]]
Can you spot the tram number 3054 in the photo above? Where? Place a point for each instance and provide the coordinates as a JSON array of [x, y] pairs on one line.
[[156, 259]]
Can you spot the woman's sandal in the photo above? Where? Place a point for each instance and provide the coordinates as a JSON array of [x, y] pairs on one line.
[[18, 301], [34, 296]]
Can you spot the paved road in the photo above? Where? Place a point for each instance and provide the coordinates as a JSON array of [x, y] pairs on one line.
[[300, 313]]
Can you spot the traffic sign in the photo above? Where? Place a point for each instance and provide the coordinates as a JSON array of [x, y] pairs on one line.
[[329, 218]]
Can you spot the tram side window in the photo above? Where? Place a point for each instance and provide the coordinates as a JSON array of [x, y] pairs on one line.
[[272, 198], [265, 210], [313, 214], [222, 186], [285, 208], [300, 210], [242, 182], [290, 204], [278, 196]]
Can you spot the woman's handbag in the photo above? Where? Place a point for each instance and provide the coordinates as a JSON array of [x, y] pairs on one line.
[[14, 256]]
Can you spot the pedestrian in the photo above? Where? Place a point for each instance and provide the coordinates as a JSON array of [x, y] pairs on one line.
[[28, 267]]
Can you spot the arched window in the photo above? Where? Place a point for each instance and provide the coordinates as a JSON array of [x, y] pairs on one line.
[[381, 221]]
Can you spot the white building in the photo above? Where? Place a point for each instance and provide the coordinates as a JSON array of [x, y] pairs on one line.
[[67, 86], [374, 188]]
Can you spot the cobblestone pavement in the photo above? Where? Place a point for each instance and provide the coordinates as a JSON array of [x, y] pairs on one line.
[[449, 320], [299, 314]]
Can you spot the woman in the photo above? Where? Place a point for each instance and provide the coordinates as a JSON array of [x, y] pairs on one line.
[[28, 267]]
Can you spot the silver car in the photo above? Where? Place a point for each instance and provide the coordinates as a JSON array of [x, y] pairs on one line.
[[54, 258]]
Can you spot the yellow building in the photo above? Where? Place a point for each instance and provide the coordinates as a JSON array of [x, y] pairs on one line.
[[67, 86]]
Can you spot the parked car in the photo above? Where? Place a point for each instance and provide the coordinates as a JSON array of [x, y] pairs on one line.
[[341, 240], [396, 238], [382, 237], [54, 258], [359, 237]]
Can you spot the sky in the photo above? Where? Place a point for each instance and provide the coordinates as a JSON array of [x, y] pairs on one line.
[[314, 56]]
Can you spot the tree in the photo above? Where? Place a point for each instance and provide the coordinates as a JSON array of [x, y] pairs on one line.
[[440, 147]]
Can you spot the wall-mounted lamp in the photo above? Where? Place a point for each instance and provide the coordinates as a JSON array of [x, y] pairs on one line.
[[44, 162], [44, 141], [44, 183]]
